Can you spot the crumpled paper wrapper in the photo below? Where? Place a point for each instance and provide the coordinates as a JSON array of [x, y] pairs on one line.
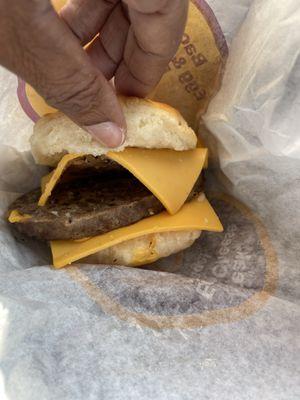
[[220, 320]]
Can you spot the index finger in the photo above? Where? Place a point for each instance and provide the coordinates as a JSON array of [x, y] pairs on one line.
[[153, 39]]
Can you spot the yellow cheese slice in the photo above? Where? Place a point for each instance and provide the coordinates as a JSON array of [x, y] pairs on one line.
[[196, 215], [170, 175], [15, 216], [49, 181], [45, 180]]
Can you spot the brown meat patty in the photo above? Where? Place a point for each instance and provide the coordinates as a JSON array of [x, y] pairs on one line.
[[88, 207]]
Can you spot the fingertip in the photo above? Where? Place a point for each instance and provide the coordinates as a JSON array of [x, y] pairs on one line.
[[108, 134], [127, 85]]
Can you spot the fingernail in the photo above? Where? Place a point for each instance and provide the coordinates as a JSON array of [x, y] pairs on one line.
[[107, 133]]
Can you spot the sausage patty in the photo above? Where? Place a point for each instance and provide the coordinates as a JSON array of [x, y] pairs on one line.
[[88, 207]]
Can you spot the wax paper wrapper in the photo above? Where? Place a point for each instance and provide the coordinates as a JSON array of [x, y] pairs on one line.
[[218, 321]]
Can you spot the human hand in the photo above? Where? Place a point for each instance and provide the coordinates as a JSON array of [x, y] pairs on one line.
[[137, 39]]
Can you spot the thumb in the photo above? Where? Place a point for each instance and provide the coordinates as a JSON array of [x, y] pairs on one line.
[[89, 100], [60, 70]]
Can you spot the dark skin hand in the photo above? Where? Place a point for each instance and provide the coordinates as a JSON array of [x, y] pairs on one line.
[[137, 39]]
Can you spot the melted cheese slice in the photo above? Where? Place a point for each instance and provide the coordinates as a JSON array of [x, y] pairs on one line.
[[15, 216], [45, 180], [170, 175], [49, 181], [196, 215]]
